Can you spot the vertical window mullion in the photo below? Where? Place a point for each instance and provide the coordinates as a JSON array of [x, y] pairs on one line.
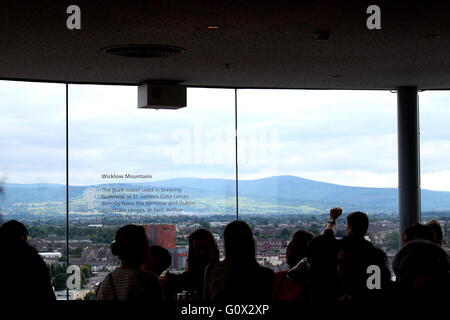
[[236, 153], [67, 185]]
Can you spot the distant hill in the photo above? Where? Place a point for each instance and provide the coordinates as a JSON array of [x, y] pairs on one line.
[[279, 194]]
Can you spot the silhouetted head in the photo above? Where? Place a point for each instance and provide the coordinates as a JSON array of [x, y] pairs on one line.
[[421, 264], [131, 245], [159, 260], [438, 231], [322, 254], [202, 250], [418, 231], [322, 259], [13, 231], [296, 249], [239, 243], [357, 224]]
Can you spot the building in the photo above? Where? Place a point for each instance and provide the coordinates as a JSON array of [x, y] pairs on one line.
[[179, 258], [73, 294], [98, 256], [161, 235], [164, 235], [50, 257], [264, 247]]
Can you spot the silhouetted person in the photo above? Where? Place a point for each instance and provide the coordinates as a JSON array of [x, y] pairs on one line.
[[158, 261], [24, 274], [284, 287], [422, 271], [239, 277], [354, 259], [317, 273], [438, 231], [129, 281], [203, 250], [418, 231], [355, 255], [321, 280]]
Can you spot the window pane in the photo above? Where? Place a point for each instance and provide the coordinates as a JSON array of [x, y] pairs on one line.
[[33, 168], [171, 170], [435, 152], [302, 152]]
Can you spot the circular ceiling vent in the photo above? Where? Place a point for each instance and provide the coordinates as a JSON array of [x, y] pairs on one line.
[[143, 50]]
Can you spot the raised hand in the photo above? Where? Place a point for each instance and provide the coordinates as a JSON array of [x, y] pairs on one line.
[[335, 213]]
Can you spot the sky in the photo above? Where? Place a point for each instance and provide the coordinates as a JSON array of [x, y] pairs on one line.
[[343, 137]]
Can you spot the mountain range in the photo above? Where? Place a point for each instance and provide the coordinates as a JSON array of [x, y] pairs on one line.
[[272, 195]]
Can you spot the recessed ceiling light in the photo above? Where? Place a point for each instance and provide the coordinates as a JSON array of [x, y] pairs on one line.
[[212, 27], [143, 50]]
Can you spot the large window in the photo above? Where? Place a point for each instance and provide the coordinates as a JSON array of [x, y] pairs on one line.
[[300, 152], [33, 167], [434, 155], [172, 171]]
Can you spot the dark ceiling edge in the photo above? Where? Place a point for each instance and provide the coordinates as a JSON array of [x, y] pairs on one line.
[[210, 87]]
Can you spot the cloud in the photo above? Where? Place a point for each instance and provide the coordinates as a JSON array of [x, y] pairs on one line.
[[345, 137]]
